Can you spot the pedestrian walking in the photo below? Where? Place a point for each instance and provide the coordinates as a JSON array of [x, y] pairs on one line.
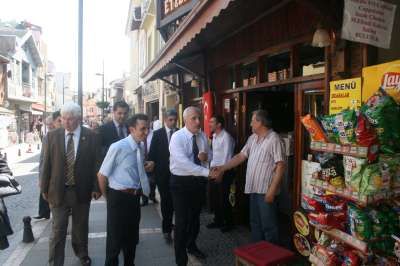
[[159, 153], [222, 151], [264, 151], [116, 129], [124, 169], [68, 182], [189, 155], [52, 122]]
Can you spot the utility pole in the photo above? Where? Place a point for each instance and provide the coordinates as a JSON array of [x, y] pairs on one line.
[[63, 90], [80, 50], [102, 91]]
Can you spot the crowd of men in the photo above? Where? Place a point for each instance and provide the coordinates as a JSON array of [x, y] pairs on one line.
[[124, 160]]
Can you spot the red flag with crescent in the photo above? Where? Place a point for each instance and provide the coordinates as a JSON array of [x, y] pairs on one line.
[[208, 110]]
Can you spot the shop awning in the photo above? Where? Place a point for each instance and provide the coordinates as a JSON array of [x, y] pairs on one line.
[[208, 23], [38, 107], [37, 112]]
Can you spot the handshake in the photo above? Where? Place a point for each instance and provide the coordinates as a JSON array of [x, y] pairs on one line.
[[216, 173]]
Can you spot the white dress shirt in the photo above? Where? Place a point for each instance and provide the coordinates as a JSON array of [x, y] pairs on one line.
[[222, 148], [124, 129], [181, 154], [75, 138]]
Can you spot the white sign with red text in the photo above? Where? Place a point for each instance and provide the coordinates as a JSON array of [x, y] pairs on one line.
[[368, 21]]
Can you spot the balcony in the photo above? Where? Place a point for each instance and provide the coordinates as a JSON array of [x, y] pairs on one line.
[[26, 89]]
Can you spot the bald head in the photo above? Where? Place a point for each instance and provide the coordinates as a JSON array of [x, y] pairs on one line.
[[191, 117]]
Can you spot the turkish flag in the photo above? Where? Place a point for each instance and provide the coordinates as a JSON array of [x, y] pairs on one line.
[[208, 110]]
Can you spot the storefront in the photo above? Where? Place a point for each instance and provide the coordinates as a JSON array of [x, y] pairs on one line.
[[261, 56]]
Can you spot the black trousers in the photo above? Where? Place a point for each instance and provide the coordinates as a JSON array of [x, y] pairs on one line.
[[167, 208], [188, 195], [44, 209], [219, 199], [123, 217]]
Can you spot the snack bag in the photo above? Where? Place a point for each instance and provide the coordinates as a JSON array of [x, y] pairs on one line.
[[313, 127], [350, 258], [359, 223], [332, 171], [393, 162], [310, 204], [328, 257], [379, 222], [366, 136], [352, 168], [328, 123], [384, 115], [372, 180], [345, 123]]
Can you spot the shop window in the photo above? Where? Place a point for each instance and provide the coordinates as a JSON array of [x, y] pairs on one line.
[[311, 60], [277, 67], [248, 73]]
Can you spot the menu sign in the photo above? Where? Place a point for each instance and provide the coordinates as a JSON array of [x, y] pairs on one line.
[[344, 94], [368, 21], [171, 5]]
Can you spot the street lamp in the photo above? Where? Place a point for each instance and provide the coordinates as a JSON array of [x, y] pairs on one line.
[[102, 92]]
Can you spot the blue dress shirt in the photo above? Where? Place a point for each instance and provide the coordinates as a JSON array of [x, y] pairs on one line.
[[120, 165]]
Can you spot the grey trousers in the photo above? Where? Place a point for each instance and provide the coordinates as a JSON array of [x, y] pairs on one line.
[[80, 228]]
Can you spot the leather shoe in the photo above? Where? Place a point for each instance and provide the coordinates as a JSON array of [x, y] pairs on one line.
[[197, 253], [86, 261], [168, 238], [213, 225]]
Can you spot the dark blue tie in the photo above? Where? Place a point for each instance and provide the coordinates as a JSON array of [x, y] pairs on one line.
[[195, 151]]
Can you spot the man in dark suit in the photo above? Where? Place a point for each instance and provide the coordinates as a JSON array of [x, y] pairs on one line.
[[159, 153], [116, 129], [68, 182]]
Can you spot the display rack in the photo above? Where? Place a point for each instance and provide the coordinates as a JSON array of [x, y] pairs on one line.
[[359, 199], [351, 150]]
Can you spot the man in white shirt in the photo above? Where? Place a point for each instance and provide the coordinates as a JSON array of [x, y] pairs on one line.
[[188, 149], [222, 151]]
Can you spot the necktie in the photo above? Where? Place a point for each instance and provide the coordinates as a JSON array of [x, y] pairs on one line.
[[196, 159], [121, 134], [69, 173], [144, 181], [171, 131]]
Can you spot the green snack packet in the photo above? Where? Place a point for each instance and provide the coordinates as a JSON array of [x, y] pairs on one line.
[[384, 114], [360, 225], [393, 163], [345, 124], [372, 181], [328, 123], [352, 168]]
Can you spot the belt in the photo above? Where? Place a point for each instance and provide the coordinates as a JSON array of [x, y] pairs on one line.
[[132, 191]]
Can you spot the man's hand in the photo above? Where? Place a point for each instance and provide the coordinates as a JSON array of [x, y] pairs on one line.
[[149, 166], [96, 195], [203, 157], [216, 174], [269, 196], [45, 196]]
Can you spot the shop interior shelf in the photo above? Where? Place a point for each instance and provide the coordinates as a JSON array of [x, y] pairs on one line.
[[362, 200], [352, 150], [345, 238]]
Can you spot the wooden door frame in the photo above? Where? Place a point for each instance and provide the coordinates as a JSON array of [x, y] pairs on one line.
[[300, 88]]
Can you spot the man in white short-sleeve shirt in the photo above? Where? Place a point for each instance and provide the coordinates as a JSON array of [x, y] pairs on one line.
[[265, 168]]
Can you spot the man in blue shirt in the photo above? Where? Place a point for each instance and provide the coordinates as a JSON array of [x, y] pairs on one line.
[[125, 170]]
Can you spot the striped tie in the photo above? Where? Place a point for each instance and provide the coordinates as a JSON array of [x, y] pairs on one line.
[[70, 156]]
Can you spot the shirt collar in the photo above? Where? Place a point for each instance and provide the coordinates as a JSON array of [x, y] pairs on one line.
[[116, 124], [134, 145], [76, 132], [188, 133], [220, 134]]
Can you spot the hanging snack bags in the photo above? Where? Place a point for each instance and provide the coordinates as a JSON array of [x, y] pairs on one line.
[[393, 163], [372, 180], [384, 114], [366, 136], [359, 223], [345, 123], [313, 127], [352, 169], [328, 123]]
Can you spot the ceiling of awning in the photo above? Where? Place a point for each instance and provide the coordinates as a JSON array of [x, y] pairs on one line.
[[209, 28]]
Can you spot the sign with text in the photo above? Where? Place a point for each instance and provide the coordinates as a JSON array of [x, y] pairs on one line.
[[368, 21], [344, 94], [171, 5]]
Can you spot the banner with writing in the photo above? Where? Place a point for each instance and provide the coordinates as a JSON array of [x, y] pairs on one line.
[[368, 21]]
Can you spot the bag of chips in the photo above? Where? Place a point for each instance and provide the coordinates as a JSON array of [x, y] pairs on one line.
[[350, 258], [345, 124], [359, 223], [393, 163], [332, 171], [384, 115], [352, 168], [366, 136], [313, 127], [328, 123], [372, 180]]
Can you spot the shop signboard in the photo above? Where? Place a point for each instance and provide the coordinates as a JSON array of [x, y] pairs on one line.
[[368, 21], [386, 76], [344, 94]]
